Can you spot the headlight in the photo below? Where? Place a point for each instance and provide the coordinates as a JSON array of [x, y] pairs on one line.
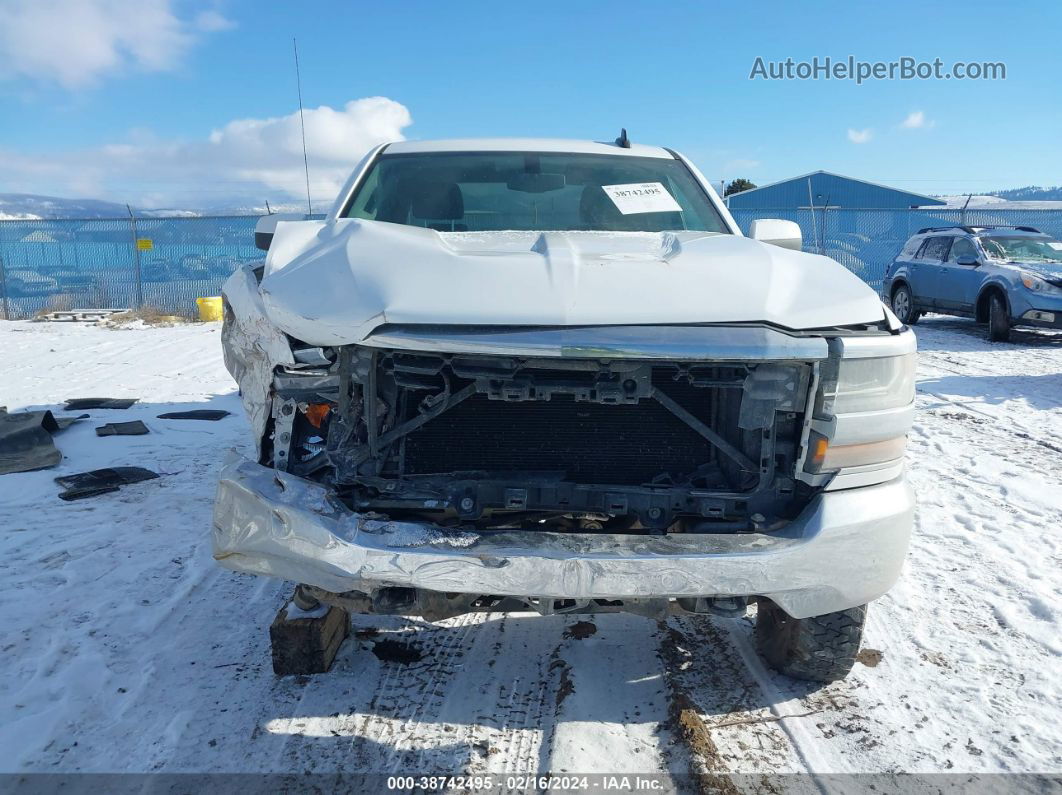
[[872, 384], [870, 406], [1038, 285]]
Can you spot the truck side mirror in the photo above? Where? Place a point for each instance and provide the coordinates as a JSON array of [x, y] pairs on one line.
[[267, 225], [777, 232]]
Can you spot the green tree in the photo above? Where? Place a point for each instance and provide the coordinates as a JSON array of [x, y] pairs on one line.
[[738, 185]]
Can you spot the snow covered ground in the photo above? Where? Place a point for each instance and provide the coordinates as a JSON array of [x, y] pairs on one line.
[[125, 648]]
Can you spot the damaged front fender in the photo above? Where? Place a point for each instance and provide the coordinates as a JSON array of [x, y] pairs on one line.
[[252, 347]]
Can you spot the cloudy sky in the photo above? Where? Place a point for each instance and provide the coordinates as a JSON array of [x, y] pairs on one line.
[[194, 104]]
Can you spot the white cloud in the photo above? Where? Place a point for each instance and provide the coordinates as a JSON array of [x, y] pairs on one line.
[[246, 159], [76, 42], [212, 21], [916, 120], [860, 136]]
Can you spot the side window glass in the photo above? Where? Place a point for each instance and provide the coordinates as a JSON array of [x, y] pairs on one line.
[[961, 248], [922, 248], [365, 204], [936, 248], [911, 248]]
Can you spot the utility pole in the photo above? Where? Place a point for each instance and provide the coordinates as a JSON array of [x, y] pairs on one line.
[[3, 289], [136, 256], [814, 225]]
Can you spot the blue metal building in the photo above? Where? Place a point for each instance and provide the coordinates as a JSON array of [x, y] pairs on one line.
[[822, 189]]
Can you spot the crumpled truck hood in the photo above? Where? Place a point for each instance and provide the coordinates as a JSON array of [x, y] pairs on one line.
[[334, 283]]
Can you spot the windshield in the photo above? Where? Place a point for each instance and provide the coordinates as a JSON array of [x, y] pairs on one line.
[[486, 191], [1022, 249]]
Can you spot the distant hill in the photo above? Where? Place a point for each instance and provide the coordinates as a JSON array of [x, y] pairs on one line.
[[1030, 193], [27, 205], [1028, 198]]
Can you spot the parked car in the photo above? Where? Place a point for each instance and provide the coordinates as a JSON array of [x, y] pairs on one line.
[[223, 265], [1004, 276], [195, 266], [68, 278], [555, 376], [158, 269], [27, 284]]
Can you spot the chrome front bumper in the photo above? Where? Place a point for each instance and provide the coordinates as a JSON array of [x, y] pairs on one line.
[[845, 549]]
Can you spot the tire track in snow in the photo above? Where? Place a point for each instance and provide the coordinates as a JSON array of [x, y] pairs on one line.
[[790, 713], [478, 700], [612, 706], [395, 717], [384, 700], [733, 722], [441, 671], [520, 745]]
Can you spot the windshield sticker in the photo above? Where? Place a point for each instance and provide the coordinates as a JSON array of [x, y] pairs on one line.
[[641, 197], [1055, 245]]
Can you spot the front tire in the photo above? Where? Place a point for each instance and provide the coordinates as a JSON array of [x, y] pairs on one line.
[[903, 305], [998, 319], [817, 649]]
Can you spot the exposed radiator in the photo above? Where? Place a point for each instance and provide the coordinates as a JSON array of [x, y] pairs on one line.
[[592, 443]]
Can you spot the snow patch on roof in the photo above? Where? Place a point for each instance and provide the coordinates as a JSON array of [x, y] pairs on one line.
[[998, 203]]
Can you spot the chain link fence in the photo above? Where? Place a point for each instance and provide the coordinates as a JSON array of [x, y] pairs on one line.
[[166, 263]]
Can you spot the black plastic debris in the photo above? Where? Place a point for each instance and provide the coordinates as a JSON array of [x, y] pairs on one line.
[[66, 422], [80, 404], [197, 414], [85, 493], [26, 440], [132, 428], [394, 651], [101, 481]]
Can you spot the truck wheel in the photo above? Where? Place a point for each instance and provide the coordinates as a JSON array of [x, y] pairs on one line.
[[903, 305], [818, 649], [998, 319]]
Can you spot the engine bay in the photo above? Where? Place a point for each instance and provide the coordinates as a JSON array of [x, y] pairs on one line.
[[561, 444]]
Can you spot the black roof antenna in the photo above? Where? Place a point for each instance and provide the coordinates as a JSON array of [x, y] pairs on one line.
[[302, 125], [623, 142]]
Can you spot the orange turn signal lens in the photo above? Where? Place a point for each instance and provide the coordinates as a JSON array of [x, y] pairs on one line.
[[316, 413], [818, 450], [824, 458]]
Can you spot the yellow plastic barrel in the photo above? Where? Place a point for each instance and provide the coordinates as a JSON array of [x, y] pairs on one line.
[[209, 308]]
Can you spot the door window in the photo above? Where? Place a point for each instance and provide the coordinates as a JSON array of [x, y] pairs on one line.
[[910, 250], [935, 249], [962, 247]]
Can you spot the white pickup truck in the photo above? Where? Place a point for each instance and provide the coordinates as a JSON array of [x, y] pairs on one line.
[[554, 375]]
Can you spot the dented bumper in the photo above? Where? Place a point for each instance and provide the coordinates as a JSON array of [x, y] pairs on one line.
[[845, 549]]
